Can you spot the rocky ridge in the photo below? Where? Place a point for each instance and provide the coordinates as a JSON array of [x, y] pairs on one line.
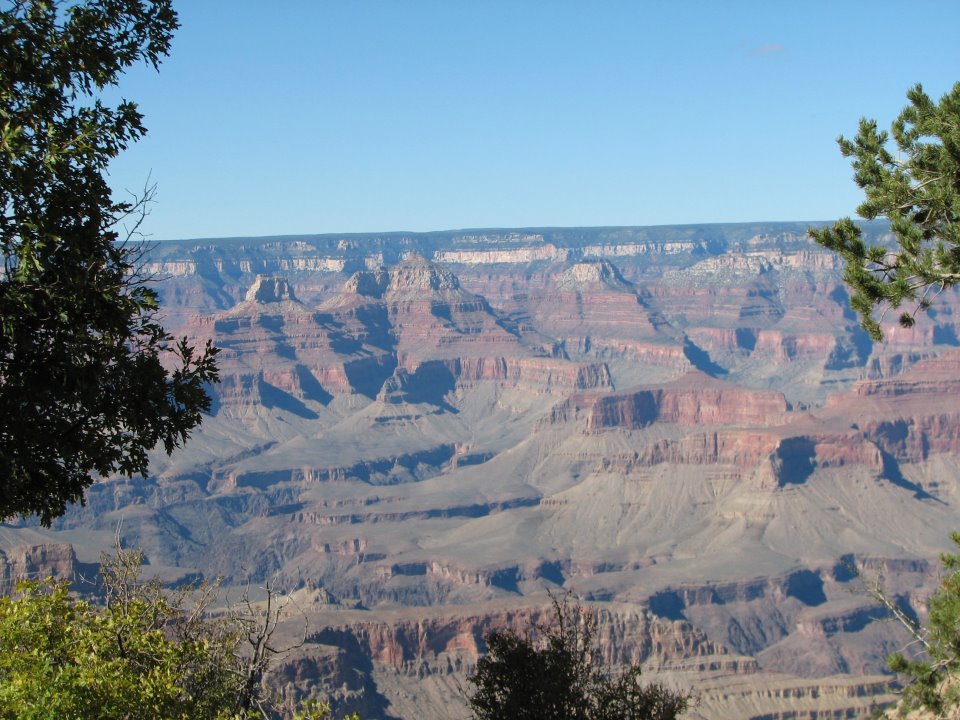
[[682, 426]]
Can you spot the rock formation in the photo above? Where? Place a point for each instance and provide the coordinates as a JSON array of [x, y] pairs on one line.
[[684, 427]]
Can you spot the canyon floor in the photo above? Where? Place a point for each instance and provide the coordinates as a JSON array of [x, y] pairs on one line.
[[420, 437]]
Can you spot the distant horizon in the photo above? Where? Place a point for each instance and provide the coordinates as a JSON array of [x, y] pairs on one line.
[[530, 228]]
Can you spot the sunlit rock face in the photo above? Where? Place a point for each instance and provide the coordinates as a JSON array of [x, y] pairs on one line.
[[421, 435], [266, 290]]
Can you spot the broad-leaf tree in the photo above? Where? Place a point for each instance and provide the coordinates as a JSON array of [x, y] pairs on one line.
[[90, 381], [141, 654], [917, 187], [67, 658]]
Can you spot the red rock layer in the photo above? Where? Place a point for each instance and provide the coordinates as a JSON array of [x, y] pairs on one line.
[[699, 403]]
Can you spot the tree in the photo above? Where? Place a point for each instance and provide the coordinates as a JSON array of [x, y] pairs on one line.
[[555, 672], [144, 654], [933, 672], [84, 381], [141, 656], [918, 190]]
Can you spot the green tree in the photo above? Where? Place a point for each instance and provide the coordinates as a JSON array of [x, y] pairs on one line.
[[933, 675], [142, 654], [554, 672], [84, 381], [918, 189]]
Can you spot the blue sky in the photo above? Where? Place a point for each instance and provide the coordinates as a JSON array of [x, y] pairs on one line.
[[315, 116]]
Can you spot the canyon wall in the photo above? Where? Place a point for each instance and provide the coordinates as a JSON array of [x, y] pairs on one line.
[[421, 435]]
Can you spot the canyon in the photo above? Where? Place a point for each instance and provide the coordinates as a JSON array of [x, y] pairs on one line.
[[422, 437]]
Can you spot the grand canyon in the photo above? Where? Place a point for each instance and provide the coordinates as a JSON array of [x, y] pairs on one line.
[[420, 437]]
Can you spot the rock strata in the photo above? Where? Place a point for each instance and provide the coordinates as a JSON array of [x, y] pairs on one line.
[[684, 427]]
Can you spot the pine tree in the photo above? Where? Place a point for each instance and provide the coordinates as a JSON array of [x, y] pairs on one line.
[[917, 188]]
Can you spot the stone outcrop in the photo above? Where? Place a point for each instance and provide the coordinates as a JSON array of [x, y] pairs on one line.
[[267, 290], [424, 645], [692, 402], [435, 652], [538, 252], [787, 347], [36, 562]]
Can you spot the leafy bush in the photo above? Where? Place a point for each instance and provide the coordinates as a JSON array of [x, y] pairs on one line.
[[144, 654]]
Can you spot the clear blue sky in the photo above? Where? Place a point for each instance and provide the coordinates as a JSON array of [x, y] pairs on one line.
[[313, 116]]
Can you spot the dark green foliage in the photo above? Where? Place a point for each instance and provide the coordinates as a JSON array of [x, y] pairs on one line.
[[918, 189], [517, 680], [555, 673], [934, 677], [85, 384], [625, 698]]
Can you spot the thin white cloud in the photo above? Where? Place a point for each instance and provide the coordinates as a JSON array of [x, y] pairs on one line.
[[769, 49]]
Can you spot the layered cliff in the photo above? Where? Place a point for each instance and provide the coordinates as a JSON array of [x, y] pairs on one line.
[[421, 433], [693, 400]]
